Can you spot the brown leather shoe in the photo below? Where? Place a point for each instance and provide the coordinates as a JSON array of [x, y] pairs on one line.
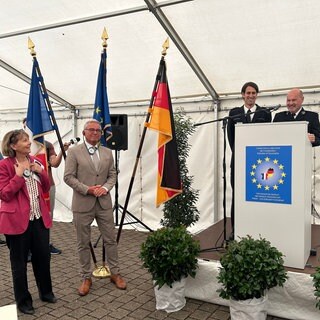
[[118, 281], [85, 287]]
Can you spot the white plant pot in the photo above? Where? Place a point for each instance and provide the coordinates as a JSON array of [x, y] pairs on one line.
[[171, 299], [251, 309]]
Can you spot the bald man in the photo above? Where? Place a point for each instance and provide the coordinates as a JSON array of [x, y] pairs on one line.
[[297, 113]]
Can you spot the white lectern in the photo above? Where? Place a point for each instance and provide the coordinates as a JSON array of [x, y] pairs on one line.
[[273, 186]]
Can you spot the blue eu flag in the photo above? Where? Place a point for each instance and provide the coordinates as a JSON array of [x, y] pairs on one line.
[[101, 104]]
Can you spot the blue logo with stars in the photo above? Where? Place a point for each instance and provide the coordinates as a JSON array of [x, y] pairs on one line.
[[268, 174]]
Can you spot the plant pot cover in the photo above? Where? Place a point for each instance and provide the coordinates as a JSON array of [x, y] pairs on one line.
[[171, 299], [251, 309]]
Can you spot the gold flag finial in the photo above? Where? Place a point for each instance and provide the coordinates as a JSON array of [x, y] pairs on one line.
[[165, 46], [104, 37], [31, 47]]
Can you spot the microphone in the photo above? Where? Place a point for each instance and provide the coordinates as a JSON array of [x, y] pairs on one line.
[[275, 108], [74, 140], [270, 109]]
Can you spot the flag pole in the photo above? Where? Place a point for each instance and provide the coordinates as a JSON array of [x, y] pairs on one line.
[[46, 96], [102, 271], [165, 46], [104, 38]]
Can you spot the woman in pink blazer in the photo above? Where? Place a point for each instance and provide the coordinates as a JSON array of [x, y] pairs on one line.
[[24, 218]]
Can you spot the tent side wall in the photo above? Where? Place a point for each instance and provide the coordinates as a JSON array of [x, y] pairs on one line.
[[205, 160]]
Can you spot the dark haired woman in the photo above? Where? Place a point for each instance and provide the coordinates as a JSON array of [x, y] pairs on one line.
[[25, 218]]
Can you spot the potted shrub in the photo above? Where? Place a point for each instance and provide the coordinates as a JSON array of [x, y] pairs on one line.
[[170, 255], [316, 285], [248, 269]]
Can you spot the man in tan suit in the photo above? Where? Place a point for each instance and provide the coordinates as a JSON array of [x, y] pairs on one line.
[[90, 172]]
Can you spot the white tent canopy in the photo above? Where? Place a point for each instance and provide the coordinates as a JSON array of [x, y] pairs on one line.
[[215, 47], [273, 42]]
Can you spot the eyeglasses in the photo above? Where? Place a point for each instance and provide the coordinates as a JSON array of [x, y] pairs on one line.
[[91, 130]]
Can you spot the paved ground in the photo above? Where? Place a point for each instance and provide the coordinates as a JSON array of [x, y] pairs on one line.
[[104, 300]]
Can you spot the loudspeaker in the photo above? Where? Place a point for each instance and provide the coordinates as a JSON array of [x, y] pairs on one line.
[[119, 139]]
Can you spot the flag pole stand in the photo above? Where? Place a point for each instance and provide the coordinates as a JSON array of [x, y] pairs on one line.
[[124, 209], [165, 46], [118, 207]]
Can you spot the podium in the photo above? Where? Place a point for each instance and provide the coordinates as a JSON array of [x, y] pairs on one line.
[[273, 187]]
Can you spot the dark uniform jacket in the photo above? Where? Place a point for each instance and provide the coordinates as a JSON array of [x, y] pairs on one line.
[[311, 117]]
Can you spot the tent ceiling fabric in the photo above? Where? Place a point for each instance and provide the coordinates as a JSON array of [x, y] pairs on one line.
[[274, 43]]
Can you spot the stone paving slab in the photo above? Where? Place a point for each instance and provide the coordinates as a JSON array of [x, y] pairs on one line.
[[104, 300]]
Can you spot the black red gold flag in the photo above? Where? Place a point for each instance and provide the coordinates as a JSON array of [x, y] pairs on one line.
[[168, 181]]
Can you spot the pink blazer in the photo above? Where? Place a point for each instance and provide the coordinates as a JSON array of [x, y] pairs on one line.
[[15, 201]]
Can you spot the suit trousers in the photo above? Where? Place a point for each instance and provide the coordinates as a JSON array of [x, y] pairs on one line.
[[35, 239], [82, 222]]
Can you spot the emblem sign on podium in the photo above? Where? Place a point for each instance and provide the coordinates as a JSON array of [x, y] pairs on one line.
[[273, 186]]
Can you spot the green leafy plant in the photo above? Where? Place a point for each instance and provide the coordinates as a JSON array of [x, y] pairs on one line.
[[170, 254], [249, 268], [182, 210], [316, 285]]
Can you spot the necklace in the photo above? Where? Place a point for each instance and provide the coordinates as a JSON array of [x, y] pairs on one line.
[[26, 172], [91, 150]]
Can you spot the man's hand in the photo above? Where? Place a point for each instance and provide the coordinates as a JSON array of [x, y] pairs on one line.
[[92, 189], [311, 137], [100, 192]]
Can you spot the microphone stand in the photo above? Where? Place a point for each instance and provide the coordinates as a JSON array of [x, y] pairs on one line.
[[241, 117], [224, 124], [238, 117]]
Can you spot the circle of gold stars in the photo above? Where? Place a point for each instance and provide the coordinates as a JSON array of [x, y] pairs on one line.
[[259, 185]]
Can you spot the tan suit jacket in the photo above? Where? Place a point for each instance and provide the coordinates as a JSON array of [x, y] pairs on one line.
[[80, 174]]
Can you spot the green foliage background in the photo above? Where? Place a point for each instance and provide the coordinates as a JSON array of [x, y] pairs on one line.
[[182, 210]]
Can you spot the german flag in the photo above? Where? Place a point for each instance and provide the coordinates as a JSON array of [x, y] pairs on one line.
[[169, 181]]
